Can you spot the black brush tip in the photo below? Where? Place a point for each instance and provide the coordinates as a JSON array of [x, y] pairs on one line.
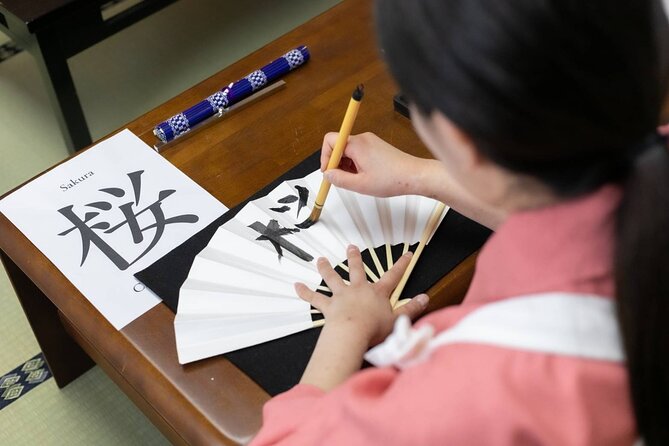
[[305, 224], [359, 92]]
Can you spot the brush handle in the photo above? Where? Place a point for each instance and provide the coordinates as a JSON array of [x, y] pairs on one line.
[[340, 144]]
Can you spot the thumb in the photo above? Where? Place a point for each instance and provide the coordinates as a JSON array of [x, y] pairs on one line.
[[341, 178], [412, 307]]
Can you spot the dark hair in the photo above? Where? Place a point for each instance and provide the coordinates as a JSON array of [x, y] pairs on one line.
[[567, 91]]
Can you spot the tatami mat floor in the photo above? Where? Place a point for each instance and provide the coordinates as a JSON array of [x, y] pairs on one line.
[[117, 80]]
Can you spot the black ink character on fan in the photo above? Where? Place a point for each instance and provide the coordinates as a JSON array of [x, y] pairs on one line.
[[288, 199], [280, 210], [95, 232], [285, 200], [274, 233], [303, 192], [301, 197]]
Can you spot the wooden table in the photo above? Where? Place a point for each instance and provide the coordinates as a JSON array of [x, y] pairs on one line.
[[55, 30], [211, 402]]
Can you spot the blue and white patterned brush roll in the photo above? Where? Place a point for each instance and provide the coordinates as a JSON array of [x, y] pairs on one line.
[[179, 124]]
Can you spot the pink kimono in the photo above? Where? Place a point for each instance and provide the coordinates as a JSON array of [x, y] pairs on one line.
[[471, 393]]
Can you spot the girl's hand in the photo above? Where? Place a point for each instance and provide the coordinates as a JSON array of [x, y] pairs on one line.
[[356, 316], [361, 308], [371, 166]]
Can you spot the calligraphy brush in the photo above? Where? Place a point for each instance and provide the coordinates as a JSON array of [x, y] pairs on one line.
[[335, 157]]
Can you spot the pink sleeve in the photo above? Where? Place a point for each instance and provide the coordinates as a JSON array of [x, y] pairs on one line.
[[308, 415], [374, 406], [465, 394], [282, 413]]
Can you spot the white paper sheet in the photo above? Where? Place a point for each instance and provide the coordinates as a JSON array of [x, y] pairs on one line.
[[108, 213]]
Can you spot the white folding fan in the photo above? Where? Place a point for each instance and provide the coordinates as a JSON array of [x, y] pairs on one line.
[[239, 291]]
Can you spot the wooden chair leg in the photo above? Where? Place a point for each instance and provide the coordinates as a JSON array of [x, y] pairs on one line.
[[66, 360], [52, 62]]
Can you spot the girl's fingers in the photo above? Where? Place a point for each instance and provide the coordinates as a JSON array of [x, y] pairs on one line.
[[317, 300], [345, 180], [326, 150], [393, 276], [347, 165], [356, 270], [414, 307], [329, 275]]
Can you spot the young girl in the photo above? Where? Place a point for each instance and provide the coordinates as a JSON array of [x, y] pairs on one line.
[[542, 117]]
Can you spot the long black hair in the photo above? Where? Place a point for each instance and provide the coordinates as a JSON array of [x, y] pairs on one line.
[[570, 92]]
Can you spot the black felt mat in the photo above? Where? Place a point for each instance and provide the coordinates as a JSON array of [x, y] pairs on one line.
[[277, 365]]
